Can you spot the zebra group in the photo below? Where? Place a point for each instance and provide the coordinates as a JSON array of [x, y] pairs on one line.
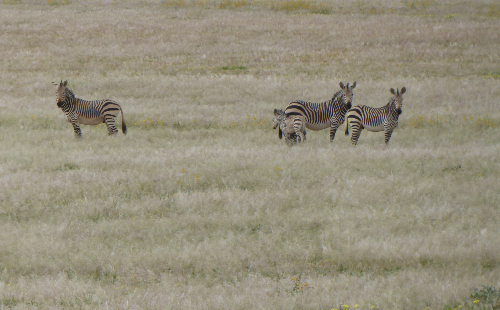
[[292, 122], [299, 115]]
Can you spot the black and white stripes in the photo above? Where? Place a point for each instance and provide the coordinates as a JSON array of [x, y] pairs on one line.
[[79, 111], [319, 116], [376, 119], [288, 126]]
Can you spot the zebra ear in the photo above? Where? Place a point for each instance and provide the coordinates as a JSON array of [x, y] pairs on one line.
[[65, 83], [353, 85], [393, 91], [403, 90], [342, 85]]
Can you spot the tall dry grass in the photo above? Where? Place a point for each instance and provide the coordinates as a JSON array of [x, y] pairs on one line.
[[200, 205]]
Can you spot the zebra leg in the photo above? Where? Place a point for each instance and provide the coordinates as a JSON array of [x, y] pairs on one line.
[[356, 132], [388, 134], [333, 131], [297, 126], [110, 124], [298, 137], [78, 131]]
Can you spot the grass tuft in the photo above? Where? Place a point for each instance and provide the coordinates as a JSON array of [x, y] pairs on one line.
[[233, 4], [493, 11], [173, 3], [301, 5], [58, 2]]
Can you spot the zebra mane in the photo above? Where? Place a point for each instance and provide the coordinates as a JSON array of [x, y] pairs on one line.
[[70, 93], [390, 103], [337, 94]]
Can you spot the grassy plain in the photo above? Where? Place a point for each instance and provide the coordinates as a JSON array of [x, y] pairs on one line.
[[200, 206]]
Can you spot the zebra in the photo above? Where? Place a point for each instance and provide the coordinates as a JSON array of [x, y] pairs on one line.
[[286, 126], [376, 119], [79, 111], [278, 117], [317, 116]]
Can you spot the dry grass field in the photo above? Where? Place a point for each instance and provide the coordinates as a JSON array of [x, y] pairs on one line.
[[200, 205]]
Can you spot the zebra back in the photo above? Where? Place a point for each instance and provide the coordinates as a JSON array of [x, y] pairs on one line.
[[325, 112]]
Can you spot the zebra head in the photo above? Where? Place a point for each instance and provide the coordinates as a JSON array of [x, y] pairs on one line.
[[398, 99], [347, 94], [278, 117], [61, 92]]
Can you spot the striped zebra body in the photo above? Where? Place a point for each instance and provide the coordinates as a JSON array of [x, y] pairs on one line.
[[79, 111], [318, 116], [287, 127], [376, 119]]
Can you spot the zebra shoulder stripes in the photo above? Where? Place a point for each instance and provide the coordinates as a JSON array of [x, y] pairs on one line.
[[376, 119], [319, 116], [79, 111], [286, 126]]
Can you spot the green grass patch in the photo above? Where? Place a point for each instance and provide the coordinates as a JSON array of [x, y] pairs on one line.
[[301, 5], [233, 4], [493, 11], [226, 68], [58, 2], [492, 75]]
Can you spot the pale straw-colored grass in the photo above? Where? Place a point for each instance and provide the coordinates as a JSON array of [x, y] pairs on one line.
[[200, 205]]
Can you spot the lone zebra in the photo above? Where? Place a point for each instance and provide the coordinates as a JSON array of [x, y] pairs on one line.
[[376, 119], [286, 126], [319, 116], [79, 111]]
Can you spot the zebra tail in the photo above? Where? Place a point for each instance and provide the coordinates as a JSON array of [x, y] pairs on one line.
[[280, 134], [124, 126], [346, 128]]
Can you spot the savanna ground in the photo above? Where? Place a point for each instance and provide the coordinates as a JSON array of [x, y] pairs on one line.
[[200, 205]]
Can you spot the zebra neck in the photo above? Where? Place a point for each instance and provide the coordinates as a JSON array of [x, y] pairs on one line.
[[391, 109], [341, 106], [70, 93], [337, 95]]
